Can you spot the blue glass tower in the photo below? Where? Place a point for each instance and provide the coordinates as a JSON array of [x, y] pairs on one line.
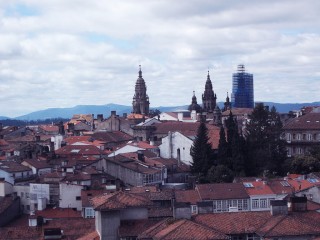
[[242, 89]]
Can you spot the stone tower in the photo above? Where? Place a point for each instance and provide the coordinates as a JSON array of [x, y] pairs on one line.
[[209, 98], [227, 103], [194, 106], [140, 103]]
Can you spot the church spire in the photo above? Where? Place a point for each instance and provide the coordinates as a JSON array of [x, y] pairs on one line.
[[208, 97], [140, 72], [140, 103]]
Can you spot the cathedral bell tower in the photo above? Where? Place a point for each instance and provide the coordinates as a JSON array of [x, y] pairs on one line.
[[140, 103], [209, 98]]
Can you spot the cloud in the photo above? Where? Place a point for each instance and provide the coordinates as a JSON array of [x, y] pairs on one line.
[[58, 53]]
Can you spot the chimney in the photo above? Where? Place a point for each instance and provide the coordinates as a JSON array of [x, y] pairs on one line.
[[278, 207], [113, 113], [37, 138], [100, 117], [70, 127], [140, 155], [180, 116], [52, 146], [125, 115], [61, 128], [298, 204]]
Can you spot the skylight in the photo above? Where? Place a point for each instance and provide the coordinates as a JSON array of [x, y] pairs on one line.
[[248, 185], [312, 180], [285, 184]]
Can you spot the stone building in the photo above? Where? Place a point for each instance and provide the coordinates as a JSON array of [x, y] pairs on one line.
[[209, 98], [140, 103]]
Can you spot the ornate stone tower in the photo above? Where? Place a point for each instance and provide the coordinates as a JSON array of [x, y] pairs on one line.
[[194, 106], [140, 103], [227, 103], [209, 98]]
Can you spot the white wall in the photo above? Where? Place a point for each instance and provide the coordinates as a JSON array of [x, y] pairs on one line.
[[68, 196], [5, 188], [173, 142]]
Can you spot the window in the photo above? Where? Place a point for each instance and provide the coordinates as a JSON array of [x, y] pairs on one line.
[[255, 203], [89, 213], [263, 203], [288, 136], [22, 194], [245, 205], [194, 209], [27, 195], [78, 198], [304, 136], [298, 136], [248, 185]]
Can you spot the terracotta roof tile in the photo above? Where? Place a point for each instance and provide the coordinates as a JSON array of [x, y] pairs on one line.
[[234, 223], [221, 191], [294, 224], [58, 213], [39, 164], [181, 229], [135, 227], [119, 200], [78, 150], [112, 137], [259, 188], [238, 111], [11, 166], [308, 121], [187, 196]]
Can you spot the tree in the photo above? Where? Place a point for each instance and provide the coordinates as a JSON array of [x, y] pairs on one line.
[[231, 150], [222, 147], [266, 149], [308, 163], [201, 153], [219, 174]]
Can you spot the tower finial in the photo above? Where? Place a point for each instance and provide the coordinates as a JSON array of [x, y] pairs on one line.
[[140, 72]]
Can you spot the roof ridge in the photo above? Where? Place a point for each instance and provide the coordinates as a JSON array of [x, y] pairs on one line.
[[274, 225], [178, 224]]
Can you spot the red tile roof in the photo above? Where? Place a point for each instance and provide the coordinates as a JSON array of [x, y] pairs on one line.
[[39, 164], [174, 126], [49, 128], [58, 213], [187, 196], [238, 111], [294, 224], [259, 188], [11, 166], [112, 137], [221, 191], [135, 227], [310, 121], [78, 150], [72, 139], [118, 200], [234, 223], [180, 229]]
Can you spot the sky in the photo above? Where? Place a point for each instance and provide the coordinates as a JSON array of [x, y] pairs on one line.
[[58, 53]]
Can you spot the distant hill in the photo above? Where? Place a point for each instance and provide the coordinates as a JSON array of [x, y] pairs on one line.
[[3, 118], [286, 107], [121, 109], [87, 109]]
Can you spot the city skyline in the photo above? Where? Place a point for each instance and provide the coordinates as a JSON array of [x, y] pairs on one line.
[[63, 54]]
